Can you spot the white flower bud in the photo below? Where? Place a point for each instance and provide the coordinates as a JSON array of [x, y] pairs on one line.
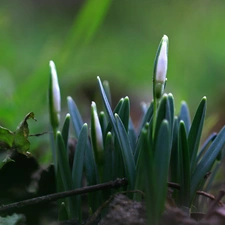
[[160, 67], [54, 96], [96, 129]]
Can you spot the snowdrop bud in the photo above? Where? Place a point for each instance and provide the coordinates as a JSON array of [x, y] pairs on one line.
[[54, 97], [97, 138], [160, 68]]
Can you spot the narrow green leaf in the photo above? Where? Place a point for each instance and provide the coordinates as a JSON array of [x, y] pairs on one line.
[[207, 161], [63, 162], [78, 162], [175, 157], [75, 116], [139, 144], [65, 130], [146, 117], [185, 178], [175, 160], [171, 113], [78, 165], [163, 113], [103, 122], [92, 177], [108, 158], [108, 166], [205, 145], [132, 135], [161, 165], [107, 91], [122, 138], [146, 176], [90, 166], [185, 116], [124, 113], [116, 110], [126, 150], [195, 133], [64, 169], [145, 179]]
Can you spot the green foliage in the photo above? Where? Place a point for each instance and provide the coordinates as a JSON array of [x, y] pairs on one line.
[[165, 147]]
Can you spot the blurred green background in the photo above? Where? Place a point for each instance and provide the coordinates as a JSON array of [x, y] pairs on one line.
[[114, 39]]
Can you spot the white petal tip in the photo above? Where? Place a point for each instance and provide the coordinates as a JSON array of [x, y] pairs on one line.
[[51, 63], [165, 38]]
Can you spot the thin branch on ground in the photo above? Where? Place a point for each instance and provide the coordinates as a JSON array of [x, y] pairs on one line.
[[203, 193], [119, 182]]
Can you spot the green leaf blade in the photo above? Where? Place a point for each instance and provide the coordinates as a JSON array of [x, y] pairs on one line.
[[195, 132], [126, 151], [207, 161], [185, 176], [185, 116], [75, 116], [161, 165], [65, 130]]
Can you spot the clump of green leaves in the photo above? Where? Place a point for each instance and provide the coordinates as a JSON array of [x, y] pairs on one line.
[[165, 147]]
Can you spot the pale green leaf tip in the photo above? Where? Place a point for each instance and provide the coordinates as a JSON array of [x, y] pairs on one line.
[[183, 102], [165, 121], [181, 121]]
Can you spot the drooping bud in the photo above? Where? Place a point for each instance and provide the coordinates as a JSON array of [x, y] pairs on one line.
[[160, 68], [54, 97]]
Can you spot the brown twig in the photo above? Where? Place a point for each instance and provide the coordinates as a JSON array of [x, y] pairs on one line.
[[53, 197], [203, 193], [215, 203], [173, 185]]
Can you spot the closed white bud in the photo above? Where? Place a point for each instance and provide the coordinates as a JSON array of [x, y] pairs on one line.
[[160, 67], [54, 96], [97, 128]]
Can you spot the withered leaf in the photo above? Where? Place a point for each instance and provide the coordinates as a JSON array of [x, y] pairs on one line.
[[17, 140]]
